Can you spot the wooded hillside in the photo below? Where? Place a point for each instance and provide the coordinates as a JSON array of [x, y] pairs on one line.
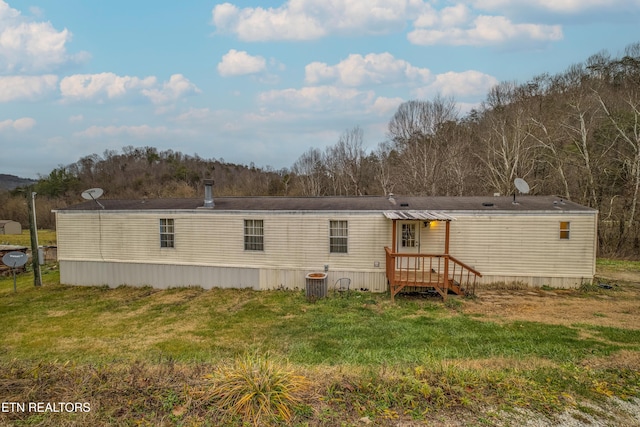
[[575, 134]]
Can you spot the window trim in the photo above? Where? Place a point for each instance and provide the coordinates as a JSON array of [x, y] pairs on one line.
[[565, 230], [253, 235], [167, 233], [338, 241]]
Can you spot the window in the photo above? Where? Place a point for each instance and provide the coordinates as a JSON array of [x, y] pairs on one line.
[[565, 227], [167, 233], [408, 235], [253, 235], [338, 236]]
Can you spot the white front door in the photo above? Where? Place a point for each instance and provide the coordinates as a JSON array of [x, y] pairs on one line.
[[408, 233]]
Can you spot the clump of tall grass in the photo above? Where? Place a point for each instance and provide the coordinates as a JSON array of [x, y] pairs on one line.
[[256, 389]]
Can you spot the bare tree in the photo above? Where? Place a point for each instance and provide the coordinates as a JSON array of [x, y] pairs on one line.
[[549, 131], [415, 132], [310, 171], [385, 159], [509, 151], [347, 158], [621, 105]]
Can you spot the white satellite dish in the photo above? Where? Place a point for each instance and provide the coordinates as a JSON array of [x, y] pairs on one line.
[[521, 185], [93, 194]]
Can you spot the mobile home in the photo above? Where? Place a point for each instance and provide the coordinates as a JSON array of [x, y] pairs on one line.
[[380, 243]]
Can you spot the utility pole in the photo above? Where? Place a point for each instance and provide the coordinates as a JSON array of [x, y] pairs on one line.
[[33, 230]]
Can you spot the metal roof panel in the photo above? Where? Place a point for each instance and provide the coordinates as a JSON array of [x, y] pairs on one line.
[[418, 215]]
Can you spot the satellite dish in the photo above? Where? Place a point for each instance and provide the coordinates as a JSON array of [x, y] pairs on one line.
[[521, 185], [93, 194], [15, 259]]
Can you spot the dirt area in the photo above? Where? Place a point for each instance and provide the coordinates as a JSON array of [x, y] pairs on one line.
[[613, 300]]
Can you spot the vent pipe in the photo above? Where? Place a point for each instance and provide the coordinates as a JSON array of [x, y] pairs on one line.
[[208, 193]]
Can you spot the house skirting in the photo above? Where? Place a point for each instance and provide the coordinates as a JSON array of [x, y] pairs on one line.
[[536, 281], [162, 276]]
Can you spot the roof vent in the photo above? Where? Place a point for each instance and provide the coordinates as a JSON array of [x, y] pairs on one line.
[[487, 204], [208, 193], [404, 205]]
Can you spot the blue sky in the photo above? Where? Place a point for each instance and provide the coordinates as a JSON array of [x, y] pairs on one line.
[[263, 81]]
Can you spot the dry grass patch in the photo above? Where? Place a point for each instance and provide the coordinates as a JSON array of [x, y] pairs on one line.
[[57, 313], [177, 296], [624, 359], [500, 363], [619, 307], [260, 390]]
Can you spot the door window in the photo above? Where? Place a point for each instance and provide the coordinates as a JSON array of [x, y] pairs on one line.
[[408, 236]]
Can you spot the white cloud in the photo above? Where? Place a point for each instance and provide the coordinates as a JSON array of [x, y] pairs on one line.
[[464, 84], [258, 24], [458, 26], [22, 124], [317, 98], [31, 46], [81, 87], [140, 132], [557, 6], [336, 101], [177, 87], [36, 11], [7, 14], [462, 23], [195, 115], [358, 70], [109, 86], [386, 106], [26, 87], [313, 19], [453, 16], [238, 63], [76, 119]]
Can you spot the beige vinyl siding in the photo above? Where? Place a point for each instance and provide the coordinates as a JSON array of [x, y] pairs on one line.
[[298, 242], [519, 247], [295, 240], [502, 246], [525, 245]]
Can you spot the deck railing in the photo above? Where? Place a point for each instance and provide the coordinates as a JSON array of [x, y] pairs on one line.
[[439, 271]]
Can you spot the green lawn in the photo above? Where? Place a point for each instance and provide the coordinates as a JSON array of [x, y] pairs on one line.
[[98, 324], [45, 238], [617, 265], [140, 356], [364, 356]]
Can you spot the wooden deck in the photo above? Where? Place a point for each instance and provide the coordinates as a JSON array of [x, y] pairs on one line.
[[440, 272]]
